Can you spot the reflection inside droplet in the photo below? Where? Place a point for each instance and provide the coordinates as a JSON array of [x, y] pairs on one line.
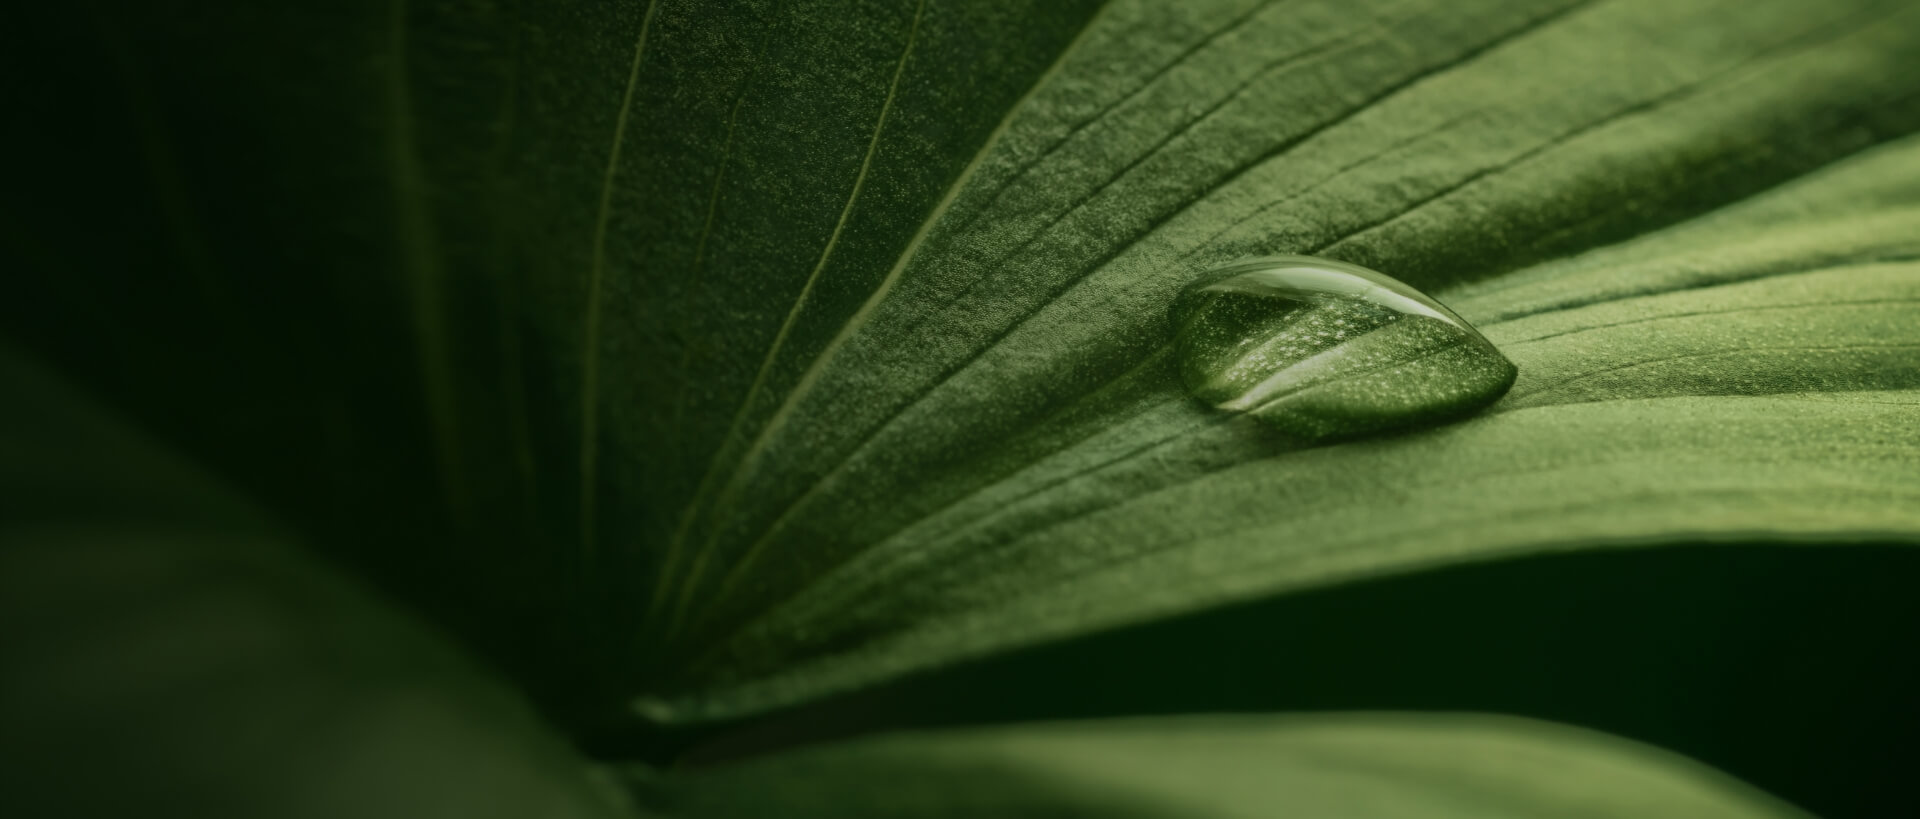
[[1325, 349]]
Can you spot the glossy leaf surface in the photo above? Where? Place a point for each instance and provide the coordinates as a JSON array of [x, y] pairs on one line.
[[1355, 766], [693, 361]]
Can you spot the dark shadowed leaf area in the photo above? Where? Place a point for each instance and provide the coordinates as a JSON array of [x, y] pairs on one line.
[[500, 408]]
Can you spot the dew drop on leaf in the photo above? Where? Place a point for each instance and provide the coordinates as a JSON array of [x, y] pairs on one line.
[[1324, 349]]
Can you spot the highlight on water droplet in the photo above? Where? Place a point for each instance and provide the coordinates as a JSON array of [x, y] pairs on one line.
[[1324, 349]]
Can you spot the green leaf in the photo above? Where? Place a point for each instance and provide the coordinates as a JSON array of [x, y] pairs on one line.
[[731, 356], [1364, 766], [168, 640], [993, 452]]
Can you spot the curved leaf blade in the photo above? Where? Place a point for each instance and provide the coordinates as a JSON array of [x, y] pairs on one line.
[[1349, 765], [167, 639], [1748, 375]]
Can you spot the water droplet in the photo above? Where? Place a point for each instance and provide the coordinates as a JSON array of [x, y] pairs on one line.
[[1324, 349]]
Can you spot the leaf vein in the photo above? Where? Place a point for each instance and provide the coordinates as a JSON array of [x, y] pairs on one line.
[[596, 275], [786, 327], [1464, 57]]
